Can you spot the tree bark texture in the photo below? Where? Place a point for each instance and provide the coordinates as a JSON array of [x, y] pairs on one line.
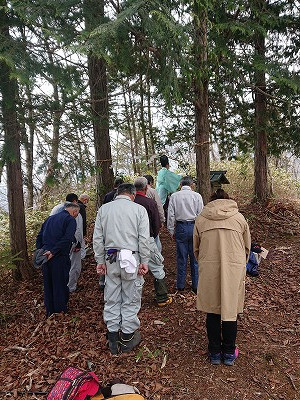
[[12, 137], [53, 171], [261, 189], [94, 14], [202, 144], [51, 174], [142, 118], [28, 145], [136, 139], [27, 138], [129, 130], [223, 148], [151, 135]]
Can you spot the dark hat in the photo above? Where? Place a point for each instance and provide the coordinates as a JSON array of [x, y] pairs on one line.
[[255, 247], [38, 258]]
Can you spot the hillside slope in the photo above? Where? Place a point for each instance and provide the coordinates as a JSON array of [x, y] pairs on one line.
[[171, 362]]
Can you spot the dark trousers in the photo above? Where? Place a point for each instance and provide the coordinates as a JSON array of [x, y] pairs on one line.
[[165, 207], [221, 334], [184, 249], [56, 291]]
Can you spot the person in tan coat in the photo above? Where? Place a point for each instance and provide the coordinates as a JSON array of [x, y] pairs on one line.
[[221, 245]]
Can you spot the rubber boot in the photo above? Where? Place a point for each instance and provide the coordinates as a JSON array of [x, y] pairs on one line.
[[102, 282], [129, 341], [161, 292], [113, 342]]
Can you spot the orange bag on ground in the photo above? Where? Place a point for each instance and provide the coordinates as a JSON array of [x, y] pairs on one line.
[[130, 396]]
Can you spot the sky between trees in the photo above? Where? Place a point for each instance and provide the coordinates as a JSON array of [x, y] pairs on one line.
[[127, 80]]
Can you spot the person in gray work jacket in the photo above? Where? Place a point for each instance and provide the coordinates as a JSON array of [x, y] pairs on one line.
[[121, 247]]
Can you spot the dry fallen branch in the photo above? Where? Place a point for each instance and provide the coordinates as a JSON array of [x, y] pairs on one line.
[[19, 348], [164, 362], [36, 329], [292, 381]]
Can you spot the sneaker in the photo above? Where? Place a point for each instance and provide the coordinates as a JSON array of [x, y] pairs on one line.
[[129, 341], [229, 359], [215, 359], [165, 303]]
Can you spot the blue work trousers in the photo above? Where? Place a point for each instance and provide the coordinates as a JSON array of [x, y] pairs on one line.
[[184, 248], [56, 291]]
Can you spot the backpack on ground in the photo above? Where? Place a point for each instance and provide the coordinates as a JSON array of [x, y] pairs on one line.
[[252, 265], [254, 259], [118, 391], [75, 384], [120, 397]]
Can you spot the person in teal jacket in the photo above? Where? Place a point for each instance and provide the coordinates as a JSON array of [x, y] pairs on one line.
[[167, 182]]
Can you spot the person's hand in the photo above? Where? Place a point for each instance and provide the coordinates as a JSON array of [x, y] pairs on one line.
[[76, 249], [48, 254], [101, 269], [143, 269]]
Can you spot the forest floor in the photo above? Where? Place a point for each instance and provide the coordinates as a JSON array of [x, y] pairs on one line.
[[171, 362]]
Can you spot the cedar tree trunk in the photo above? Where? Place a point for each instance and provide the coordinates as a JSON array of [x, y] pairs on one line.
[[12, 137], [260, 103], [94, 14], [201, 103]]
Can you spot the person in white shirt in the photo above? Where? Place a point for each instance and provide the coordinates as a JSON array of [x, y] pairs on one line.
[[185, 205]]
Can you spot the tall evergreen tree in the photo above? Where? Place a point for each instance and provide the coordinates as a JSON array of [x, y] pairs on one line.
[[11, 151], [201, 80], [261, 189], [94, 16]]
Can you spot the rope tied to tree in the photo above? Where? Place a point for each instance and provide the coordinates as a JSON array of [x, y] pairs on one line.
[[102, 161], [199, 144]]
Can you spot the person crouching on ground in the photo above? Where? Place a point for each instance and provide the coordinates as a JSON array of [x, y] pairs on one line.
[[121, 246], [221, 245]]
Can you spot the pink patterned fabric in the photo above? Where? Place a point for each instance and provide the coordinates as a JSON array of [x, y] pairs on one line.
[[74, 384]]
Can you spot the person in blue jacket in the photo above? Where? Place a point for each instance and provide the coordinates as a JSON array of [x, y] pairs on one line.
[[56, 237]]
